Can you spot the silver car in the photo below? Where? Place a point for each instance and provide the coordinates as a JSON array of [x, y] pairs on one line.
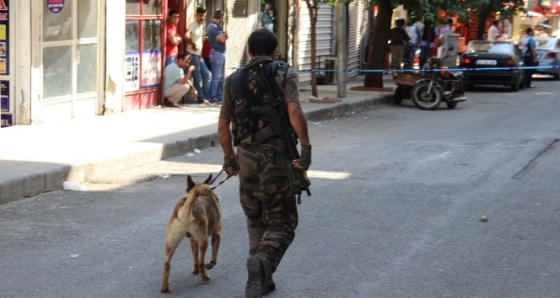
[[548, 52]]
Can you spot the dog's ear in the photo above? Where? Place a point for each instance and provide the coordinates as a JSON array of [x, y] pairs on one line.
[[190, 183], [208, 180]]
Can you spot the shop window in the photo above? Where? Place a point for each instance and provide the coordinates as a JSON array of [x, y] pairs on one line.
[[57, 26], [144, 7], [87, 65], [57, 71], [87, 18], [143, 44]]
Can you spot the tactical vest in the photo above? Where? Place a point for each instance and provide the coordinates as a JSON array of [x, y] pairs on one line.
[[258, 100]]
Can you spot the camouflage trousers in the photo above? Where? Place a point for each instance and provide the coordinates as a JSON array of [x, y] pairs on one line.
[[267, 201]]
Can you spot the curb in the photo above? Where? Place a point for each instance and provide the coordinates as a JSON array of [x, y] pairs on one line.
[[52, 178]]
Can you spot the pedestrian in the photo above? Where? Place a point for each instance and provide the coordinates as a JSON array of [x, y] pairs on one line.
[[217, 38], [173, 39], [530, 58], [429, 33], [177, 83], [398, 39], [201, 74], [493, 31], [265, 169], [448, 28], [413, 32]]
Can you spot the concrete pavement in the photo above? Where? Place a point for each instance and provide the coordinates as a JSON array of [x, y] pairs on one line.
[[38, 158]]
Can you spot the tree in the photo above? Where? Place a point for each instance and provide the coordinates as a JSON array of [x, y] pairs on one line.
[[313, 8]]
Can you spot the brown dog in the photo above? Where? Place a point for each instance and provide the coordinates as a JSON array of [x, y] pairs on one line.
[[197, 215]]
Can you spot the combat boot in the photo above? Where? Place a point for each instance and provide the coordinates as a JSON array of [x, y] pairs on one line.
[[255, 280], [268, 285]]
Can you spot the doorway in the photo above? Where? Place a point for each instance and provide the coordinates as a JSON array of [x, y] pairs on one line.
[[70, 54]]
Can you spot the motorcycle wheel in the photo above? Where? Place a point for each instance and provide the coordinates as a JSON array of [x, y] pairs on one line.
[[426, 100]]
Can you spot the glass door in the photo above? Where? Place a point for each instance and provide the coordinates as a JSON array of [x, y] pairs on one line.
[[70, 56]]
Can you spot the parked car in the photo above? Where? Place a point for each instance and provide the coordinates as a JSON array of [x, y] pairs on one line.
[[548, 52], [484, 59]]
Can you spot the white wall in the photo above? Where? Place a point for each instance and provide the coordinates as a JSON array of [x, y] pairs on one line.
[[114, 55]]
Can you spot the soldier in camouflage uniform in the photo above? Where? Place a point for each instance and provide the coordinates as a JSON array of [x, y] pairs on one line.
[[255, 97]]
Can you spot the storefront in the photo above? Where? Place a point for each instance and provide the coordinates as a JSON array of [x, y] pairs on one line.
[[6, 53], [83, 58]]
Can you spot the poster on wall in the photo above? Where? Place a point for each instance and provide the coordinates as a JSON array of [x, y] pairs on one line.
[[4, 37], [5, 103], [151, 68], [131, 68]]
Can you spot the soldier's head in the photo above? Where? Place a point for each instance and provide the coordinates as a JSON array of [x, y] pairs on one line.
[[262, 42]]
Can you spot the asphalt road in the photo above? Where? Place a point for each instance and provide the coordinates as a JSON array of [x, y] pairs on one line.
[[398, 194]]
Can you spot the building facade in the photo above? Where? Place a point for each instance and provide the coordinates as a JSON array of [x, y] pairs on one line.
[[83, 58]]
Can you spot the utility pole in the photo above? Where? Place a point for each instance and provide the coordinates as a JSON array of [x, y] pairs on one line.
[[341, 49]]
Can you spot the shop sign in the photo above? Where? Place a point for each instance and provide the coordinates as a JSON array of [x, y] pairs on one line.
[[4, 37], [132, 68], [5, 103], [151, 68], [55, 6]]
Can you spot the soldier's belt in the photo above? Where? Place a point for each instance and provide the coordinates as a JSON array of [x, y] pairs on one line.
[[264, 134], [267, 152]]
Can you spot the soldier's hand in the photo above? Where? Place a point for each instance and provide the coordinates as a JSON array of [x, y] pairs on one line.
[[305, 160], [231, 166]]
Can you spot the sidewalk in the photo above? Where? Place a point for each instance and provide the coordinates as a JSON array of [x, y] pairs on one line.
[[38, 158]]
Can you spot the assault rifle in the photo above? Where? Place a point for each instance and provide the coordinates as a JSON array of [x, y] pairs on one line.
[[274, 113]]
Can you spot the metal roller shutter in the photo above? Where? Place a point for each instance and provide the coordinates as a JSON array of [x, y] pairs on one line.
[[236, 21], [356, 24], [324, 29]]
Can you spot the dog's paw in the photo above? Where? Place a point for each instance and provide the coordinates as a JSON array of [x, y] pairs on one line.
[[210, 265], [165, 290], [205, 277], [195, 270]]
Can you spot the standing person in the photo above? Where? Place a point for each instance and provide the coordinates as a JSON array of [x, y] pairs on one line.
[[173, 39], [429, 33], [448, 28], [201, 74], [493, 31], [177, 83], [217, 38], [410, 50], [398, 39], [529, 56], [265, 169]]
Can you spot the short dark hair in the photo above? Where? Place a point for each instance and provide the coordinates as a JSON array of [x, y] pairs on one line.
[[529, 30], [172, 11], [200, 10], [262, 42], [183, 56]]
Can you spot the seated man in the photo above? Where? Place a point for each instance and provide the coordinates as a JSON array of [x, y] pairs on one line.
[[177, 84]]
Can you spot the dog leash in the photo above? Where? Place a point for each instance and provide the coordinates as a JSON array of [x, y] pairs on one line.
[[216, 178]]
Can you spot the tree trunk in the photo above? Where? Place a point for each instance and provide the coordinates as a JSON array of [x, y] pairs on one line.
[[313, 8], [378, 45], [482, 17]]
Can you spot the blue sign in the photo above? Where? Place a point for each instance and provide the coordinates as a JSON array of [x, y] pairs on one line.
[[7, 120], [55, 6], [5, 96]]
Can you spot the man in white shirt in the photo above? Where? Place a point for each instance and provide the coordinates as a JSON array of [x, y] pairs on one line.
[[177, 83], [493, 32], [194, 39], [413, 32]]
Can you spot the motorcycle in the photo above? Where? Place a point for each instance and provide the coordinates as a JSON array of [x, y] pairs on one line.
[[433, 85]]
